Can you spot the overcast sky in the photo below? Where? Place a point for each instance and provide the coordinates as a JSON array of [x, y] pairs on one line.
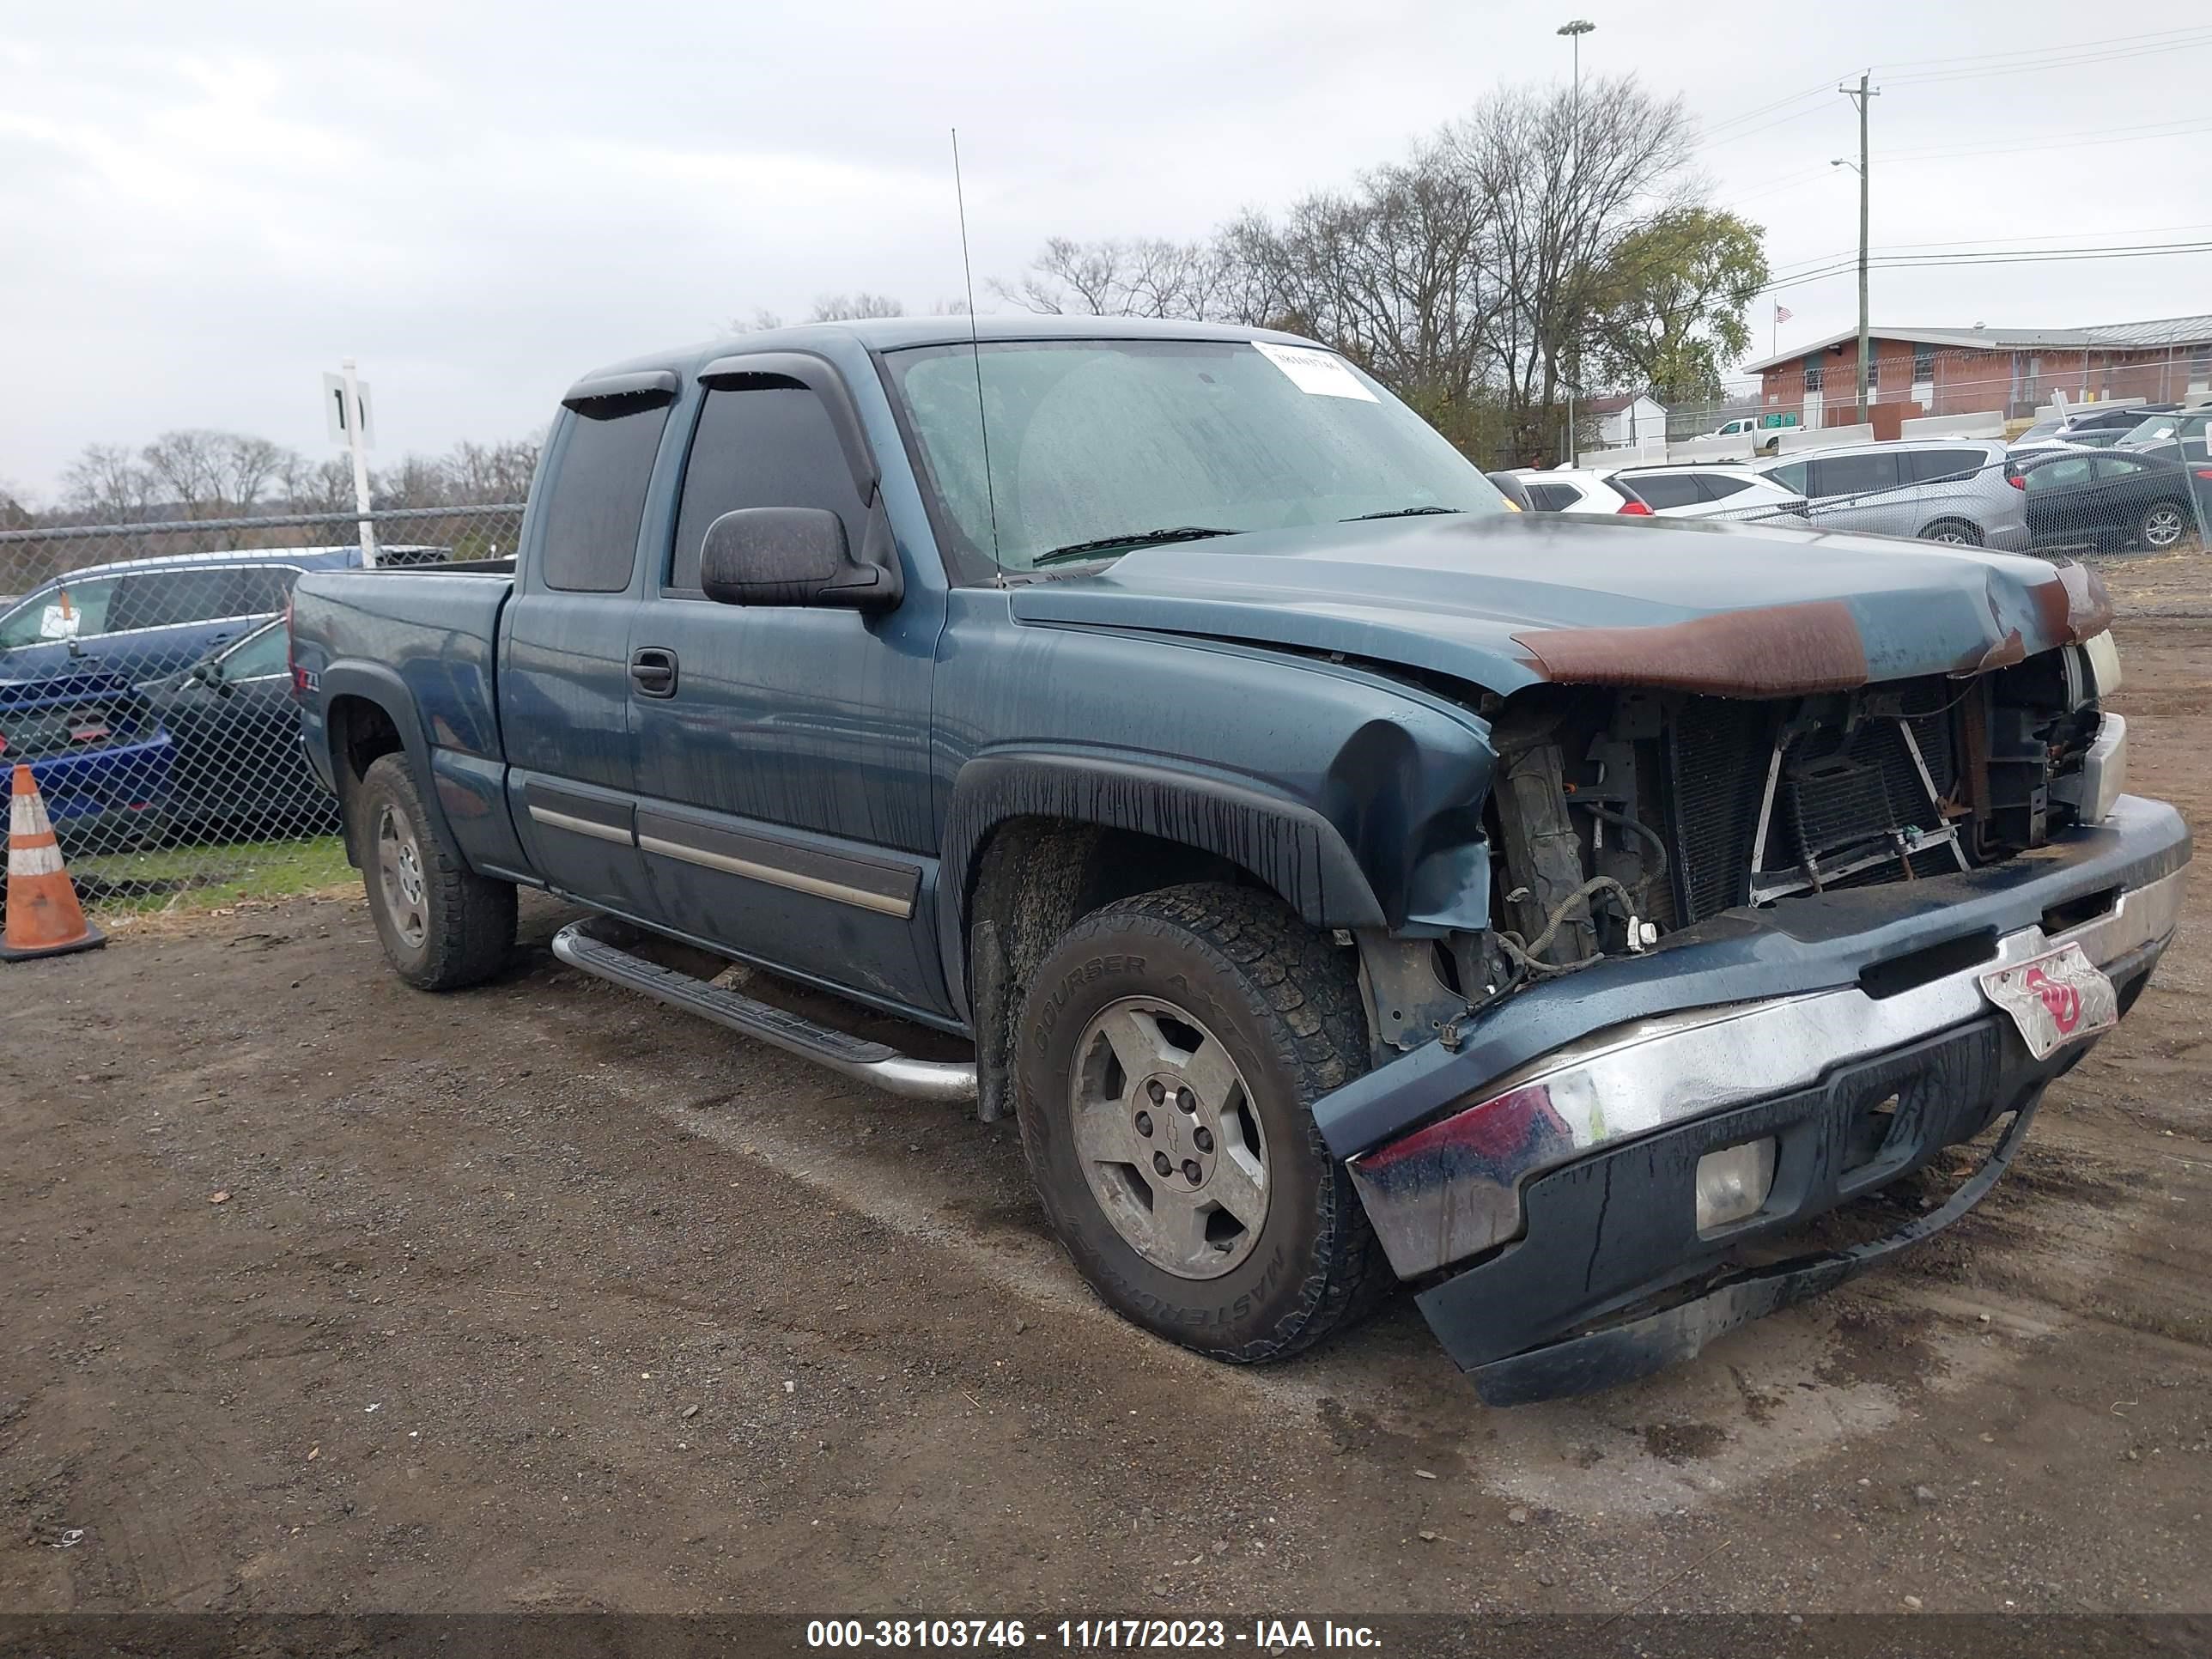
[[208, 204]]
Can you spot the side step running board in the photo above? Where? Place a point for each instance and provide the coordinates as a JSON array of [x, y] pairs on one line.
[[588, 944]]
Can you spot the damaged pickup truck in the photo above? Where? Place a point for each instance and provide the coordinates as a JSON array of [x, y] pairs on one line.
[[1344, 879]]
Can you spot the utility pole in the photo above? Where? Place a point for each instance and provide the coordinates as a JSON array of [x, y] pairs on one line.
[[1574, 31], [1859, 95]]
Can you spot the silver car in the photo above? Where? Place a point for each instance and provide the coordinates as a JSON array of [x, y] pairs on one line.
[[1940, 489]]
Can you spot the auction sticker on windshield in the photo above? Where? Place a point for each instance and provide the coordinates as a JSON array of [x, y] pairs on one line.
[[1318, 372], [2055, 999]]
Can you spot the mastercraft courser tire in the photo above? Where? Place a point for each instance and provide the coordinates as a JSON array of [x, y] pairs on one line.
[[1212, 979], [443, 927]]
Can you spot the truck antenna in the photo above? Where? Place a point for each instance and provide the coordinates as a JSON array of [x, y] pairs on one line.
[[975, 352]]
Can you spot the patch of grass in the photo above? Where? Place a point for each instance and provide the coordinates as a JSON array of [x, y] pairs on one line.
[[201, 878]]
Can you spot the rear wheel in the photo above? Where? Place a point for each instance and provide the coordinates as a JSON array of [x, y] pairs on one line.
[[442, 925], [1956, 532], [1170, 1050], [2164, 524]]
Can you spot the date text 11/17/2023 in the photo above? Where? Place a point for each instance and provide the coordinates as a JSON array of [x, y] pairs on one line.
[[1088, 1635]]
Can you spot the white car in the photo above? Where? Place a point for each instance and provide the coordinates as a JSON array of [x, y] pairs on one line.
[[1707, 490]]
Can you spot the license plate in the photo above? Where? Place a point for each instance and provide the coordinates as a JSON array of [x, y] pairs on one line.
[[2055, 999]]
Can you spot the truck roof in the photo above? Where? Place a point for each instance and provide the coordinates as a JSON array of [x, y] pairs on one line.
[[891, 333]]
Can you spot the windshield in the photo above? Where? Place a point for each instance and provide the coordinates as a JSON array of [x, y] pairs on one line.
[[1096, 446], [2156, 430], [2040, 429]]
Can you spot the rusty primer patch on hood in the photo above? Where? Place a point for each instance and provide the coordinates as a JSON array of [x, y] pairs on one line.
[[1776, 651], [2088, 608]]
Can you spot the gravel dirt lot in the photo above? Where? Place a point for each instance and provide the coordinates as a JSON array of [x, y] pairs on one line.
[[319, 1293]]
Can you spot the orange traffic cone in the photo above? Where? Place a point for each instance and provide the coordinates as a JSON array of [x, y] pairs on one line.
[[44, 918]]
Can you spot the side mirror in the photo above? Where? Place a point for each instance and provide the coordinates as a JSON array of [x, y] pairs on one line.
[[792, 555]]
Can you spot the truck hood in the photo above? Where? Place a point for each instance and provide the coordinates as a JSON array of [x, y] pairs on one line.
[[1511, 600]]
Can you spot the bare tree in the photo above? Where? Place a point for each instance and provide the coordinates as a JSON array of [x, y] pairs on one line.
[[184, 468], [107, 483], [480, 474], [844, 307], [1519, 250], [213, 474], [323, 486], [412, 481], [1564, 185], [1146, 276]]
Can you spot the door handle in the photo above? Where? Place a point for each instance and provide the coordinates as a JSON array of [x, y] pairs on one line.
[[652, 672]]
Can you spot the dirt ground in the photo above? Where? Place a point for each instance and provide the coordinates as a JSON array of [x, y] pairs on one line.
[[317, 1293]]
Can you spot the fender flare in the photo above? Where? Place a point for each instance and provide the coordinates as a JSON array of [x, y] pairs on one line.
[[1296, 853], [375, 684]]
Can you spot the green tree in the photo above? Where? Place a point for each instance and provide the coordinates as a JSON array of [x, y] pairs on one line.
[[1669, 304]]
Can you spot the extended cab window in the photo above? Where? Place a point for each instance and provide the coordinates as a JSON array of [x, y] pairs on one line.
[[597, 497], [768, 443]]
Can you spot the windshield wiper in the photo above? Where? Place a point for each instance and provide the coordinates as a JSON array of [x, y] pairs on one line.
[[1186, 533], [1401, 513]]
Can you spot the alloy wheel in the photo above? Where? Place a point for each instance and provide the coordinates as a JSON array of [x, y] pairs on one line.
[[1167, 1139]]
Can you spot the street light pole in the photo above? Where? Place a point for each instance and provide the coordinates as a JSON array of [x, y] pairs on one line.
[[1574, 31]]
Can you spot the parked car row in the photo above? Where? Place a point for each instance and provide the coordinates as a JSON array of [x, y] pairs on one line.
[[150, 697], [1715, 489], [2152, 489]]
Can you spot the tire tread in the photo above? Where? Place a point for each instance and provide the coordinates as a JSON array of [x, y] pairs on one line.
[[1305, 981]]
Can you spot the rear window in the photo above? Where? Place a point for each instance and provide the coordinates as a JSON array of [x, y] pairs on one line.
[[1551, 498], [598, 497], [1719, 486], [1666, 489], [1927, 466]]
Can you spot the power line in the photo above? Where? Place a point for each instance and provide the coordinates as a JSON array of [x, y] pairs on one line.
[[1753, 114], [2059, 140], [1790, 266], [2036, 52], [2002, 256], [2048, 64]]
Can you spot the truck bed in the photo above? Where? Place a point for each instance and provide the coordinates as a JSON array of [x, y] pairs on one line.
[[431, 629]]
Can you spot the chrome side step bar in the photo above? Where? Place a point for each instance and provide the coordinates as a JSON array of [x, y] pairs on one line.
[[591, 945]]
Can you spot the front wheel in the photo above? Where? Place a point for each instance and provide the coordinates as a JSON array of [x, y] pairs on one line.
[[1170, 1051], [2164, 524], [1955, 532], [443, 927]]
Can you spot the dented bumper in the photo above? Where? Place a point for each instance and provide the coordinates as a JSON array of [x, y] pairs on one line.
[[1627, 1074]]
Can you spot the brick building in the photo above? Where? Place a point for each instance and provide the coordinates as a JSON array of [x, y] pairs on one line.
[[2010, 371]]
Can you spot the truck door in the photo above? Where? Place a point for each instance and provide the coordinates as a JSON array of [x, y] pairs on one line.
[[564, 675], [785, 806]]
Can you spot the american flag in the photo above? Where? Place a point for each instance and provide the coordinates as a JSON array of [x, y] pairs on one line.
[[1782, 314]]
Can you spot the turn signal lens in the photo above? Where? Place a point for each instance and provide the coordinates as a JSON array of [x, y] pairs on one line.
[[1733, 1183]]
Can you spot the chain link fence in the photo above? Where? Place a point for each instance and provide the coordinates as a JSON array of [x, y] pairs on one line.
[[144, 679], [2058, 501]]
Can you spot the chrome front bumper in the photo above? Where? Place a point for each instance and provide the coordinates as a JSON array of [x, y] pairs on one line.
[[1452, 1189]]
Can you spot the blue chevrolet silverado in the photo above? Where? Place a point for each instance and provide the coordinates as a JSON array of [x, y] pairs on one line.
[[1344, 878]]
